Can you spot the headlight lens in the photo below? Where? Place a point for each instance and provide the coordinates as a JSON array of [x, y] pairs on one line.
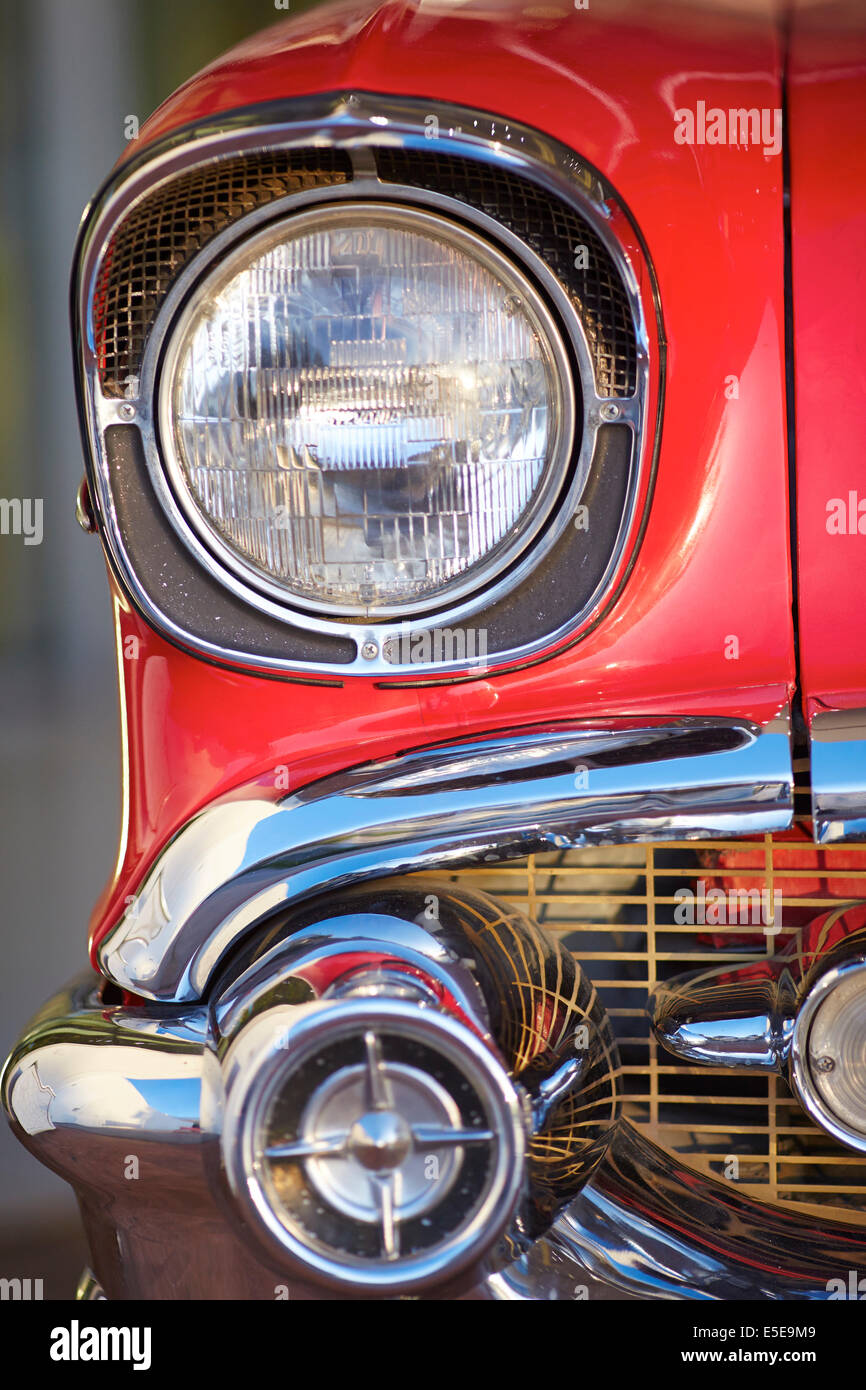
[[367, 409]]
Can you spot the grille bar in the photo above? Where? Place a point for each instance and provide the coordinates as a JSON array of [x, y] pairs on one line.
[[614, 908]]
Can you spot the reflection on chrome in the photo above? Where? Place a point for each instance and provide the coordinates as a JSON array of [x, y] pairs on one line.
[[520, 793], [649, 1226], [739, 1017], [802, 1012], [636, 1218], [381, 1095], [838, 751]]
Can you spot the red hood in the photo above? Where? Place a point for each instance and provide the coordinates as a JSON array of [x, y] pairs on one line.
[[624, 66]]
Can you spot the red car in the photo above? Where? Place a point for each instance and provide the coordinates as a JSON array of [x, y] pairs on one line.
[[473, 428]]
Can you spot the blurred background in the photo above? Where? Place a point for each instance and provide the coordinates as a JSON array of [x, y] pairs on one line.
[[71, 73]]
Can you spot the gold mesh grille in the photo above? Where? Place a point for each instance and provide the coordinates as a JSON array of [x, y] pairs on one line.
[[614, 907], [554, 231], [171, 225]]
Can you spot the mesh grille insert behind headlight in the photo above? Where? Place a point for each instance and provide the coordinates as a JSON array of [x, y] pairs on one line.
[[167, 228], [555, 232], [319, 583]]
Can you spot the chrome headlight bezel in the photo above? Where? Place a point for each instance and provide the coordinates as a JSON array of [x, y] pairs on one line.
[[160, 562]]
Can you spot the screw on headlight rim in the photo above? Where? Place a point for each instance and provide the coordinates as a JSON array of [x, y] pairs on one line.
[[369, 651]]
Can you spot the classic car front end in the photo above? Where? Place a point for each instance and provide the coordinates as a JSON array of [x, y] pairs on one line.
[[474, 451]]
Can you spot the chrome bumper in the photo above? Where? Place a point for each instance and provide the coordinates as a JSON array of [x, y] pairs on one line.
[[116, 1099], [532, 790], [649, 1226]]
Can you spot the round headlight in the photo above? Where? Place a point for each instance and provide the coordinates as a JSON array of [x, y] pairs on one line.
[[367, 410]]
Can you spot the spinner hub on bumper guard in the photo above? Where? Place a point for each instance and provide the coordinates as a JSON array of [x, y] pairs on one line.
[[376, 1142], [373, 1102]]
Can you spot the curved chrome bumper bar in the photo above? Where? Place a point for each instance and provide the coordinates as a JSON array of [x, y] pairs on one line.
[[493, 798], [649, 1226], [91, 1086]]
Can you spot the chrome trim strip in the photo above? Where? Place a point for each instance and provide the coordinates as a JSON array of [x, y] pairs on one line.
[[838, 751], [242, 859], [358, 123], [650, 1226]]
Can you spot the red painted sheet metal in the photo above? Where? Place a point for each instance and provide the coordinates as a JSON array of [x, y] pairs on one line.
[[827, 100], [704, 622]]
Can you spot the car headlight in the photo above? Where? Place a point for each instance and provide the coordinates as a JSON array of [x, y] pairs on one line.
[[366, 410]]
